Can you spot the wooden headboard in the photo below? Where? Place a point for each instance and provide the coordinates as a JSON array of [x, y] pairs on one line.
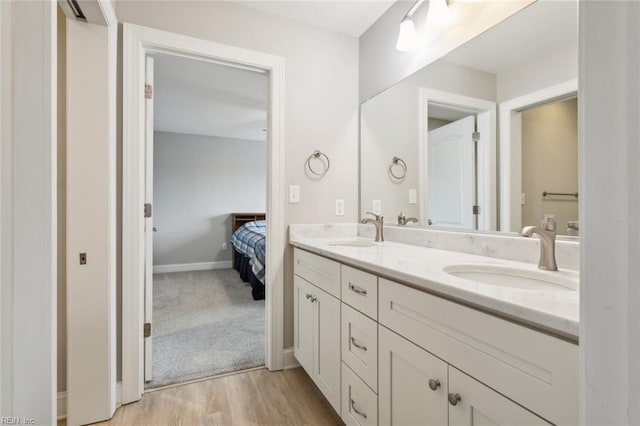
[[239, 219]]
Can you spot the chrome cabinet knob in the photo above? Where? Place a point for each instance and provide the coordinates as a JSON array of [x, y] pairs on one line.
[[454, 398], [434, 384], [310, 297]]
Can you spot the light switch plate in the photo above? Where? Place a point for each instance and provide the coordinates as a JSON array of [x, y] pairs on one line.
[[294, 194], [339, 207], [522, 198], [376, 206], [413, 196]]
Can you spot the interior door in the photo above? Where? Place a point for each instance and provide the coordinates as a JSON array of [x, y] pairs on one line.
[[451, 175], [148, 222]]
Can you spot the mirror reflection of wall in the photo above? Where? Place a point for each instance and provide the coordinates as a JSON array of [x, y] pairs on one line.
[[475, 185], [550, 164]]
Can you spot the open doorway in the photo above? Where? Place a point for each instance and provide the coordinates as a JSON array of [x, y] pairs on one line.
[[206, 172]]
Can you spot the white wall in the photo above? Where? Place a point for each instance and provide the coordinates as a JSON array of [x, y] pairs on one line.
[[28, 254], [550, 162], [557, 66], [609, 210], [321, 98], [198, 182], [390, 127], [381, 65]]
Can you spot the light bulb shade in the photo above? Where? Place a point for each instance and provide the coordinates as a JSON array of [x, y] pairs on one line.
[[408, 39]]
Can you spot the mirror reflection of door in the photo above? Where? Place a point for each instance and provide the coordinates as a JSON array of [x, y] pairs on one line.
[[550, 164], [451, 169]]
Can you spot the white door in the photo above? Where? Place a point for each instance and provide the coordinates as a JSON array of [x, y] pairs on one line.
[[303, 333], [412, 386], [451, 175], [326, 363], [478, 405], [148, 221]]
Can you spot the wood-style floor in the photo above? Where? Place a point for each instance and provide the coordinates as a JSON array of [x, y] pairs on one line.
[[257, 397]]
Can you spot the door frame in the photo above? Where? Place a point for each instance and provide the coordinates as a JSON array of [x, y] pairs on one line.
[[486, 155], [511, 148], [138, 41]]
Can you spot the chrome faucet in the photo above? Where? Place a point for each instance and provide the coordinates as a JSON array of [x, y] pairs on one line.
[[547, 234], [403, 220], [378, 222]]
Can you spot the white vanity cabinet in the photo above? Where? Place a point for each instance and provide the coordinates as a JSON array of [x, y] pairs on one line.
[[317, 326], [389, 354]]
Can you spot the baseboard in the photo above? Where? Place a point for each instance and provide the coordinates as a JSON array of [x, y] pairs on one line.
[[185, 267], [62, 401], [62, 405], [289, 360]]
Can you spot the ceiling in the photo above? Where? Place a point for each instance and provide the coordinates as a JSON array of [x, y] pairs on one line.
[[205, 98], [350, 17], [542, 27]]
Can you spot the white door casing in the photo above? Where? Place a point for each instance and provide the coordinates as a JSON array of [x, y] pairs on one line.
[[486, 150], [451, 186], [511, 148], [148, 220], [137, 43]]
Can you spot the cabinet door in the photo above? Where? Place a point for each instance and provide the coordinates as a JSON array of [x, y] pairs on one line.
[[303, 328], [407, 375], [482, 406], [327, 340]]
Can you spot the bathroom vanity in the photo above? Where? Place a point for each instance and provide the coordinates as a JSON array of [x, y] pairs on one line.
[[395, 333]]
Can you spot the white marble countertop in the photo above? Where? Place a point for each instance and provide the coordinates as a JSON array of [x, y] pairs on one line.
[[551, 310]]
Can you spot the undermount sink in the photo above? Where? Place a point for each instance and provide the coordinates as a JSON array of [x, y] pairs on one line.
[[514, 278], [355, 243]]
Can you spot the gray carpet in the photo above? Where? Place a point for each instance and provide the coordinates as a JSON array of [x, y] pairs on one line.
[[204, 323]]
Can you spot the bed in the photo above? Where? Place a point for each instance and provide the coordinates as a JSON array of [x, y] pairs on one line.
[[249, 243]]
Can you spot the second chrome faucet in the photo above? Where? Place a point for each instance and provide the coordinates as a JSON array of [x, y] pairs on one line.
[[378, 222]]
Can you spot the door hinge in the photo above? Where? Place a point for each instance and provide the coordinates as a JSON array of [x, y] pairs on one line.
[[147, 329], [476, 209], [148, 91], [475, 136], [147, 210]]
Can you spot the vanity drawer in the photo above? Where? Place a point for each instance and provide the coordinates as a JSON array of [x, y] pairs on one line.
[[360, 345], [360, 290], [359, 403], [318, 270], [534, 369]]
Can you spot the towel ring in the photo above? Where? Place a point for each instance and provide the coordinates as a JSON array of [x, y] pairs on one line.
[[319, 156], [396, 161]]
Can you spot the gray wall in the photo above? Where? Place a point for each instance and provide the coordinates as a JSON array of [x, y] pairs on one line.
[[321, 101], [198, 182]]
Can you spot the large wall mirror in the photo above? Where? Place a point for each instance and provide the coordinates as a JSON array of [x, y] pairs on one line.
[[486, 137]]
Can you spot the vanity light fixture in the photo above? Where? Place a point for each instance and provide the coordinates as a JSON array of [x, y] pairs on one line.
[[438, 17], [408, 38]]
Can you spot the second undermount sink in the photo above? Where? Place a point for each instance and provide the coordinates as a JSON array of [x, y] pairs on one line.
[[515, 278], [354, 243]]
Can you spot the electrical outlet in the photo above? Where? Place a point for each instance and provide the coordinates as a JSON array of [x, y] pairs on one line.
[[294, 194], [413, 196], [224, 246], [376, 206], [339, 207]]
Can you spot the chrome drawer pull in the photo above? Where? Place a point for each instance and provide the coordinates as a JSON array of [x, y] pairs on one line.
[[310, 297], [358, 290], [353, 342], [353, 407]]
